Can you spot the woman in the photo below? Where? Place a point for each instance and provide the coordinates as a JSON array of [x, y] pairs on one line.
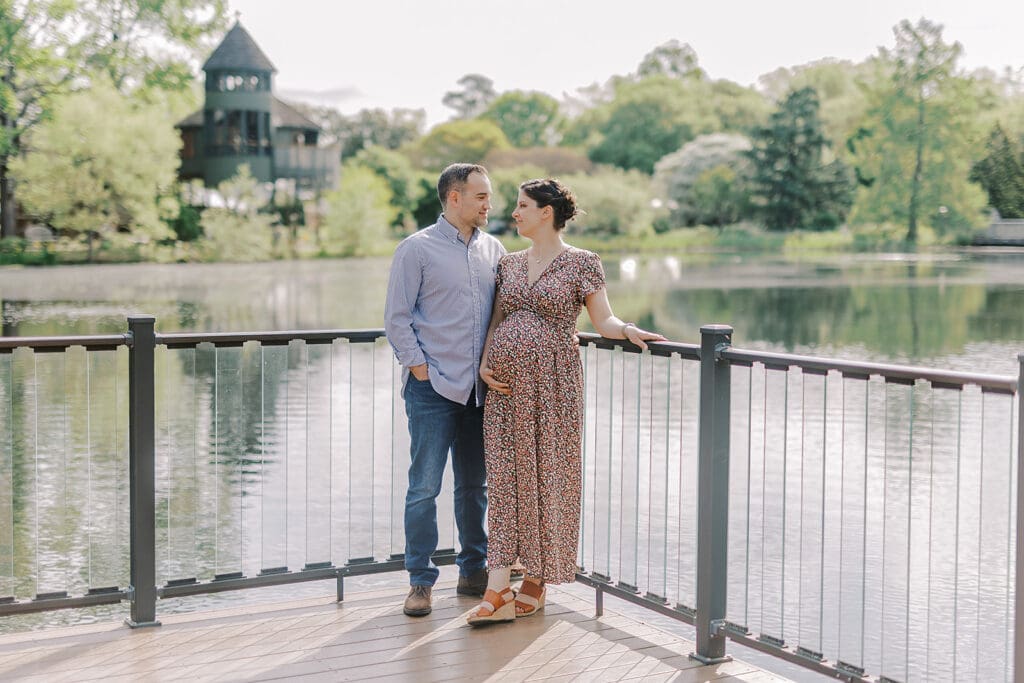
[[533, 415]]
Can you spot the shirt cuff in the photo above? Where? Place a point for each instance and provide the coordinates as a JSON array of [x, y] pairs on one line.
[[407, 359]]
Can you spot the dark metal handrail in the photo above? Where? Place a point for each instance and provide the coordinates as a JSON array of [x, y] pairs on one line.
[[98, 342]]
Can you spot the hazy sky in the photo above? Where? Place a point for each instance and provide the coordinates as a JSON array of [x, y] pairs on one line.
[[408, 53]]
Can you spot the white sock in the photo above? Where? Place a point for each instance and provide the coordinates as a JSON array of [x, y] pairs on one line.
[[498, 579]]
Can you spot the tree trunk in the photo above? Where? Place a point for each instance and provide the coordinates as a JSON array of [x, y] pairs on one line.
[[915, 185], [8, 207]]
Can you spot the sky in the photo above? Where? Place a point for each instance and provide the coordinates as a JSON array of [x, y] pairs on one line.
[[408, 53]]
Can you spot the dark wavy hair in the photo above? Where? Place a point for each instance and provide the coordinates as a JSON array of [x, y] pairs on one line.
[[454, 178], [550, 192]]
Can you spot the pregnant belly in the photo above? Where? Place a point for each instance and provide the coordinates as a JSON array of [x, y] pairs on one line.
[[519, 343]]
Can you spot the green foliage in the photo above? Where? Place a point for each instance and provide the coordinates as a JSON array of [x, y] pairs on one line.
[[128, 40], [86, 175], [646, 121], [656, 116], [187, 225], [240, 237], [1001, 173], [707, 181], [528, 119], [404, 181], [465, 141], [793, 185], [672, 59], [368, 127], [914, 154], [616, 202], [359, 213], [553, 160], [238, 231], [476, 93], [505, 184]]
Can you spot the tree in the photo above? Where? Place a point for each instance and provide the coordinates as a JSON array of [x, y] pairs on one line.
[[528, 119], [1001, 174], [368, 127], [466, 141], [238, 231], [919, 133], [86, 176], [792, 182], [707, 181], [646, 121], [672, 59], [403, 180], [36, 66], [359, 213], [476, 94], [615, 202], [149, 43]]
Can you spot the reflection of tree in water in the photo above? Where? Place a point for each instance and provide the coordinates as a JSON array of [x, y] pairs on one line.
[[894, 320]]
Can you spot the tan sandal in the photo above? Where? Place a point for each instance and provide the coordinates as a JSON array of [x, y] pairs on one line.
[[495, 608], [530, 598]]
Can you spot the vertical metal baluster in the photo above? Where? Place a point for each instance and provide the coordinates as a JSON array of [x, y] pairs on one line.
[[981, 517], [750, 462], [800, 518], [216, 461], [1009, 554], [909, 535], [88, 468], [351, 428], [611, 403], [764, 490], [785, 482], [821, 559], [931, 532], [581, 558], [10, 500], [1018, 601], [263, 456], [910, 530], [64, 458], [167, 456], [956, 533], [373, 447], [864, 528], [391, 490], [842, 514], [242, 457], [679, 526], [650, 463], [195, 465], [668, 442], [308, 440], [885, 516], [35, 478]]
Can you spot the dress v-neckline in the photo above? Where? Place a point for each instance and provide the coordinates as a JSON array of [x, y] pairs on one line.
[[529, 284]]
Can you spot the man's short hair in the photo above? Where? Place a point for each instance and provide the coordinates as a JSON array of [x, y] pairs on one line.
[[454, 178]]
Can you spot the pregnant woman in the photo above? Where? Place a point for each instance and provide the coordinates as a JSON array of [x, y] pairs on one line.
[[533, 415]]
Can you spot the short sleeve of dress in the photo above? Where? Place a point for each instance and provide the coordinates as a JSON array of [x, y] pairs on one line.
[[591, 275], [499, 272]]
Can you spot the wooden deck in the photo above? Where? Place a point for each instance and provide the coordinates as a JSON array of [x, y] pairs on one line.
[[368, 637]]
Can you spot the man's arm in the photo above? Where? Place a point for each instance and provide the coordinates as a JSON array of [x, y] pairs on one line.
[[403, 291]]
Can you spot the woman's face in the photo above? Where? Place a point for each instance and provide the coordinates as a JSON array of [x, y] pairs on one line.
[[528, 216]]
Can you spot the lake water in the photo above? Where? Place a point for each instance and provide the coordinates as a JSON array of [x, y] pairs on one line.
[[955, 310]]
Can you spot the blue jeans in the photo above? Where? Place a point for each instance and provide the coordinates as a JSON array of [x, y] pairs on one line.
[[437, 425]]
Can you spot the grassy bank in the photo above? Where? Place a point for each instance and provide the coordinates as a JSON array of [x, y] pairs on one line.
[[742, 238]]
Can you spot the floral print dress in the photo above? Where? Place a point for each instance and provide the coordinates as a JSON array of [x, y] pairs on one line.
[[533, 438]]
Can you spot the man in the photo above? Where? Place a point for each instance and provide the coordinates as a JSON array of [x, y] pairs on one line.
[[439, 301]]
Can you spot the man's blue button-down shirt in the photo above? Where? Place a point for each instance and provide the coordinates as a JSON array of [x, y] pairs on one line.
[[440, 295]]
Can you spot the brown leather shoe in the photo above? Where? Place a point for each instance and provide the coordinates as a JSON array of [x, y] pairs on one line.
[[417, 603], [475, 584]]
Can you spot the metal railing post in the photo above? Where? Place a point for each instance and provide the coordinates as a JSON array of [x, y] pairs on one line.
[[142, 470], [1018, 602], [712, 495]]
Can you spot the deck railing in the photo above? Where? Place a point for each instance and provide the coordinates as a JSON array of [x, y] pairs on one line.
[[854, 518]]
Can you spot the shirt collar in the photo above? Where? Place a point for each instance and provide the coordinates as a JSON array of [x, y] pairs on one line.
[[450, 231]]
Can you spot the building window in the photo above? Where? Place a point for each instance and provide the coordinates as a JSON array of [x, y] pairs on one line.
[[237, 82], [188, 144]]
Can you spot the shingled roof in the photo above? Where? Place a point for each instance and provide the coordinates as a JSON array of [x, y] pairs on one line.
[[238, 51], [282, 115]]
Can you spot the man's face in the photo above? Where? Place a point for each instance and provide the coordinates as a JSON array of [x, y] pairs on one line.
[[473, 201]]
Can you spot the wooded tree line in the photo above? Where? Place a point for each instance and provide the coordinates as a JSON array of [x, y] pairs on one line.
[[906, 137]]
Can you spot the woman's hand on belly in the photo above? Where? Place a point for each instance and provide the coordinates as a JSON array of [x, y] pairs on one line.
[[487, 375]]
